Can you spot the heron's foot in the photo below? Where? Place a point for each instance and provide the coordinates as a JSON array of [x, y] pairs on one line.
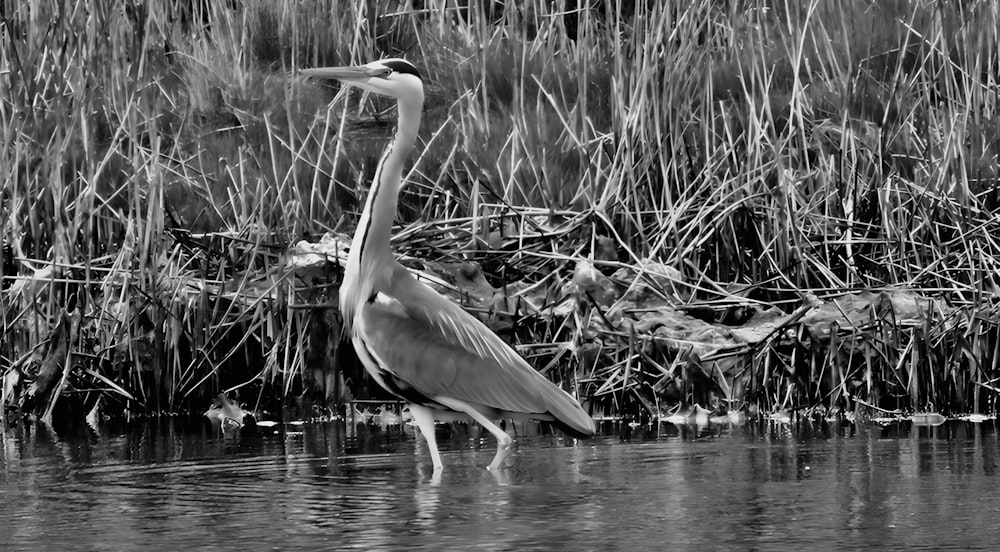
[[504, 448]]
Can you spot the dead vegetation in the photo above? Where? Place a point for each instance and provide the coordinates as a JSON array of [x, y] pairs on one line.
[[742, 205]]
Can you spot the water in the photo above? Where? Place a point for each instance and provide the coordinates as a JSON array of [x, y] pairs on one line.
[[173, 486]]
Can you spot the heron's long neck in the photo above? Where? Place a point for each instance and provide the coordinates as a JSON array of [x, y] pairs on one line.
[[370, 261]]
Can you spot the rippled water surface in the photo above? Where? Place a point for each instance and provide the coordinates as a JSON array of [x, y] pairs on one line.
[[169, 485]]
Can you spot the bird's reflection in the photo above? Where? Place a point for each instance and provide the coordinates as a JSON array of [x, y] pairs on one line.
[[427, 498]]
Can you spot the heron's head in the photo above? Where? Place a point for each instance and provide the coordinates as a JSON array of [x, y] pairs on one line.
[[395, 77]]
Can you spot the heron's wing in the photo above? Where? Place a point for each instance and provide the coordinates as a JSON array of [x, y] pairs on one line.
[[437, 348]]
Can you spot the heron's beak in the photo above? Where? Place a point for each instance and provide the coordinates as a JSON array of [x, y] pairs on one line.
[[347, 74], [370, 78]]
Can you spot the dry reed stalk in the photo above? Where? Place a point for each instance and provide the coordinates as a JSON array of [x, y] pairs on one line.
[[156, 160]]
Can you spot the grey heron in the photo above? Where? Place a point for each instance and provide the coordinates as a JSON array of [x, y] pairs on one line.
[[413, 341]]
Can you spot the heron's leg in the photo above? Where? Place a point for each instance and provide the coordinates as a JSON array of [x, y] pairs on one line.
[[424, 417], [505, 443]]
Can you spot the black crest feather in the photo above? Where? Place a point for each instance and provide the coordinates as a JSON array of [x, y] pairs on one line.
[[403, 66]]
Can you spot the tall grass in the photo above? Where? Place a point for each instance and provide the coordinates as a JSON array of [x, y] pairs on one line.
[[158, 162]]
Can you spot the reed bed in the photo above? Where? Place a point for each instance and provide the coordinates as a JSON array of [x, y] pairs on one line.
[[756, 205]]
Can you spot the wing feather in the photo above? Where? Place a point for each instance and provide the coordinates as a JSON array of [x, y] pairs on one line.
[[454, 324]]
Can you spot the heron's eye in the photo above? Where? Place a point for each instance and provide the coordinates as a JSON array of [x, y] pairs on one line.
[[386, 72]]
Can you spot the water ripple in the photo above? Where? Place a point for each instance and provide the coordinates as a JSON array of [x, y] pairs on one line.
[[736, 489]]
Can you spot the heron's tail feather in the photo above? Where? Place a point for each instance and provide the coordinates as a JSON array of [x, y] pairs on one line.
[[569, 415]]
